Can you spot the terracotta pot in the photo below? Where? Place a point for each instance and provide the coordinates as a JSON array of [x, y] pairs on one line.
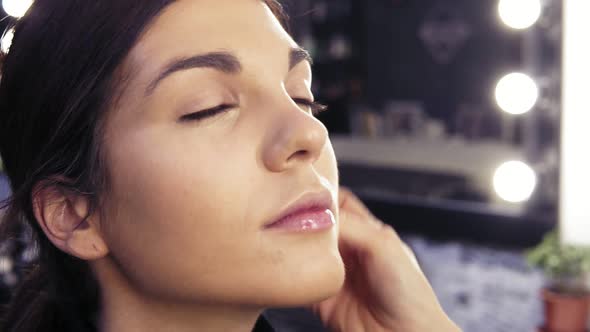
[[564, 312]]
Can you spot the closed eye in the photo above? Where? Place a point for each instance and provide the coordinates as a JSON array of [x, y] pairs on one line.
[[201, 115], [314, 107]]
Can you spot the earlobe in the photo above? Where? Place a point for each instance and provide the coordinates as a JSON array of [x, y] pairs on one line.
[[64, 219]]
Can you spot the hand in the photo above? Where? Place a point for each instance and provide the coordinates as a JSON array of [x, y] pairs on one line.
[[385, 290]]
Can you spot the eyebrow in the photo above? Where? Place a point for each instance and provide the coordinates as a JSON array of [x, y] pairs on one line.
[[224, 62]]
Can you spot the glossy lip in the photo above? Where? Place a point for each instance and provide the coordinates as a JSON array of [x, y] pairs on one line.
[[318, 201]]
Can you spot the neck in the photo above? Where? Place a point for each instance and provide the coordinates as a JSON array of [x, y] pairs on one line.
[[124, 308]]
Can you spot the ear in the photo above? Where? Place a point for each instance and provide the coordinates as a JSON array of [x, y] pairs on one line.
[[64, 218]]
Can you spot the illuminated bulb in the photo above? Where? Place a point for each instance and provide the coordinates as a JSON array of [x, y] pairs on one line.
[[7, 41], [16, 8], [516, 93], [515, 181], [519, 14]]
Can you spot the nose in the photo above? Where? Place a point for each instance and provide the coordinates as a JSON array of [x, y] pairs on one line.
[[295, 138]]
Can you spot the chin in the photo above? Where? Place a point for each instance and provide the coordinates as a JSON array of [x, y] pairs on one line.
[[311, 283]]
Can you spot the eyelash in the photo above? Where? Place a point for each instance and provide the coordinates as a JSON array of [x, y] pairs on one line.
[[197, 116], [315, 108]]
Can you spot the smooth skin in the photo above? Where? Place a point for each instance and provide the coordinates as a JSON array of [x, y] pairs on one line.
[[179, 242]]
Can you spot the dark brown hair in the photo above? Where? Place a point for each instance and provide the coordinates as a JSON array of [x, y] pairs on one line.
[[58, 81]]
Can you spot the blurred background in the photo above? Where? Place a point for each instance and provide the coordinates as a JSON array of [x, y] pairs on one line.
[[442, 105], [446, 119]]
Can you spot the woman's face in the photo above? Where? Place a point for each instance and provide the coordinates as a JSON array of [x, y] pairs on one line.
[[190, 196]]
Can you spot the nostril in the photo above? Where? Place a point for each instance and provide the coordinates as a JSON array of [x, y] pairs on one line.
[[301, 154]]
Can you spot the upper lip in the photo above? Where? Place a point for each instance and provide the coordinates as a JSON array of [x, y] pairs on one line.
[[308, 202]]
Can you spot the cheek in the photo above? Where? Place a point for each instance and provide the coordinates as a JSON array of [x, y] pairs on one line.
[[166, 176], [173, 203]]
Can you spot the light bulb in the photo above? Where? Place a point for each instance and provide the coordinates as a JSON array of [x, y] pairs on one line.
[[16, 8], [515, 181], [516, 93], [519, 14]]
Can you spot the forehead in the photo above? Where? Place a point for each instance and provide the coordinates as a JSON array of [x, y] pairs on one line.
[[190, 27]]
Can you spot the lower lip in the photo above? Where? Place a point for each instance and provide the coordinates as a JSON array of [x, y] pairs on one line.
[[308, 221]]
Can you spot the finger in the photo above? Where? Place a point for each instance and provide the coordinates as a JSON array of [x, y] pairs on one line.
[[376, 248], [350, 202], [360, 235], [364, 218], [411, 255]]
